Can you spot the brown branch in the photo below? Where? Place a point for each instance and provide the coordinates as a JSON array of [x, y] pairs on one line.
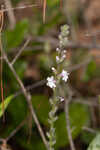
[[10, 13], [15, 130], [70, 44], [28, 99], [21, 7], [68, 123], [30, 87], [20, 51], [90, 130]]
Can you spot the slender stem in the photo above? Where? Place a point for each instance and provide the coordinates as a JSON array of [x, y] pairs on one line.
[[68, 126], [28, 99]]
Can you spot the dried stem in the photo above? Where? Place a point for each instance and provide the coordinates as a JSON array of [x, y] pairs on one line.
[[68, 124], [20, 51], [10, 13], [28, 99], [15, 130]]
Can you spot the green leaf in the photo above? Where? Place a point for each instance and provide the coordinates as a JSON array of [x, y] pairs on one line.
[[78, 118], [90, 71], [35, 142], [87, 137], [6, 102], [18, 110], [16, 36], [23, 65], [42, 107], [95, 144]]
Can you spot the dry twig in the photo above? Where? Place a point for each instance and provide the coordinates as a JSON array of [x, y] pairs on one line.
[[68, 123], [28, 99]]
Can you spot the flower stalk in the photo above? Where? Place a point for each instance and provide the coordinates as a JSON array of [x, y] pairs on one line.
[[59, 74]]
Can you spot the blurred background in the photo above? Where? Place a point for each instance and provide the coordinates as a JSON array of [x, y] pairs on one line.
[[25, 31]]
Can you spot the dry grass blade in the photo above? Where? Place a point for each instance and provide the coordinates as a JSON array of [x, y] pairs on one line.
[[44, 9], [1, 63]]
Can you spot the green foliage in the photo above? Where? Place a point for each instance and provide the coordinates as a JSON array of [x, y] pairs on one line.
[[34, 143], [87, 137], [95, 144], [42, 107], [90, 71], [6, 103], [78, 118], [15, 37], [18, 110], [22, 64]]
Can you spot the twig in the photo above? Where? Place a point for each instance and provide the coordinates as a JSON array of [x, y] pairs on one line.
[[28, 88], [89, 130], [28, 99], [44, 10], [20, 51], [68, 123], [42, 82], [1, 60], [70, 44], [15, 130], [85, 102], [21, 7], [77, 66], [10, 13]]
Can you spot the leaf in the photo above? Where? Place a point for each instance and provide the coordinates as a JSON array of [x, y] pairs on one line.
[[87, 137], [6, 102], [90, 71], [95, 144], [16, 36], [23, 65], [42, 107], [78, 118], [18, 110], [35, 142]]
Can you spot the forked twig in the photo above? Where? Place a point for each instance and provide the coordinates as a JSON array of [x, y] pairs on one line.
[[20, 51], [26, 94], [28, 99]]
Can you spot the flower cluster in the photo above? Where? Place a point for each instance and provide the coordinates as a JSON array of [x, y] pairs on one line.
[[61, 55], [54, 81]]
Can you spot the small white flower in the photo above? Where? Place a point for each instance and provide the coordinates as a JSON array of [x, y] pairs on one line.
[[64, 51], [61, 98], [57, 49], [57, 59], [64, 56], [54, 70], [51, 82], [64, 75]]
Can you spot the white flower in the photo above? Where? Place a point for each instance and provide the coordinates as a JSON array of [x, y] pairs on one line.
[[57, 49], [61, 98], [64, 56], [51, 82], [64, 51], [64, 75], [54, 70], [57, 59]]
